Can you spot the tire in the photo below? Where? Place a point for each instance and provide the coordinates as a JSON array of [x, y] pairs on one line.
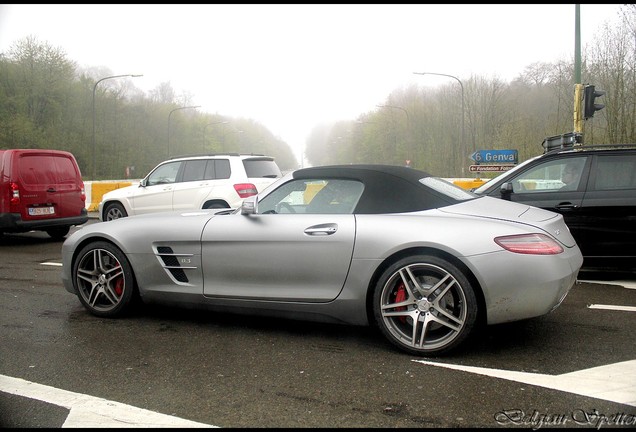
[[114, 211], [443, 306], [215, 205], [104, 280], [58, 233]]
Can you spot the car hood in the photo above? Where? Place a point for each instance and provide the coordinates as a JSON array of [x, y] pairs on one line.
[[495, 208]]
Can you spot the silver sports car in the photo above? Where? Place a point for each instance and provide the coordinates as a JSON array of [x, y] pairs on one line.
[[420, 258]]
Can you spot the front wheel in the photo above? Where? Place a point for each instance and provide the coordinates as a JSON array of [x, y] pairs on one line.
[[425, 305], [104, 279], [114, 211]]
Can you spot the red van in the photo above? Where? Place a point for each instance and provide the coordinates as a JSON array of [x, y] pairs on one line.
[[41, 190]]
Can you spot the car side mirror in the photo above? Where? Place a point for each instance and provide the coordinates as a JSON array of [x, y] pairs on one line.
[[506, 190], [143, 182], [249, 205]]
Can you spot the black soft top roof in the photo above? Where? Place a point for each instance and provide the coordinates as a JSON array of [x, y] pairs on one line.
[[388, 188]]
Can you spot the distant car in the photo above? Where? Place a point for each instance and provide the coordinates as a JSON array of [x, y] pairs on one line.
[[424, 260], [40, 190], [193, 183], [593, 187]]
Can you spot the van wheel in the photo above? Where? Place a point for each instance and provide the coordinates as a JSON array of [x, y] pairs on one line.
[[58, 233], [114, 211]]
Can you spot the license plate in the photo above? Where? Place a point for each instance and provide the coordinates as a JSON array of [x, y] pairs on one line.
[[40, 211]]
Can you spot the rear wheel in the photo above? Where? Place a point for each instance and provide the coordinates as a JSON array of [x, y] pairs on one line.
[[114, 211], [214, 205], [425, 305], [58, 233], [104, 279]]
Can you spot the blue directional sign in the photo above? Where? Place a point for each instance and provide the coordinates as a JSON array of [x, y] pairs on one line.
[[495, 156]]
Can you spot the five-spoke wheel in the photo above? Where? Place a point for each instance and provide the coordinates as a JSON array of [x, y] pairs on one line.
[[425, 305], [104, 279]]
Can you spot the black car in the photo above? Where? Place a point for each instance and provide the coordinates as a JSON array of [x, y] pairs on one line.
[[593, 187]]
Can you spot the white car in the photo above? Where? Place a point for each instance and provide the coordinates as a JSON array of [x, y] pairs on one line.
[[192, 183]]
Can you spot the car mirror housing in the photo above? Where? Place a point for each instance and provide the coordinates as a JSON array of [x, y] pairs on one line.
[[249, 206], [506, 190]]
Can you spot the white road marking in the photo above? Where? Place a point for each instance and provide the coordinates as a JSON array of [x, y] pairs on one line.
[[93, 412], [52, 264], [613, 307], [629, 284], [615, 382]]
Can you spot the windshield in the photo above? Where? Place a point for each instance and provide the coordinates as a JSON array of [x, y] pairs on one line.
[[486, 186]]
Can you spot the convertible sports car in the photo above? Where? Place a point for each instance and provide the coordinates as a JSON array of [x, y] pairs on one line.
[[424, 260]]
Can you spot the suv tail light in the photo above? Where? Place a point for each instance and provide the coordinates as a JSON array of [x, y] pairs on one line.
[[15, 194], [83, 193], [533, 244], [245, 190]]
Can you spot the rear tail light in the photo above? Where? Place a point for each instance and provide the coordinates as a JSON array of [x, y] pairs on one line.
[[15, 194], [533, 244], [83, 193], [245, 190]]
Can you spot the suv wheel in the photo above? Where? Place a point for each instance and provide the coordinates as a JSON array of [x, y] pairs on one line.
[[114, 211]]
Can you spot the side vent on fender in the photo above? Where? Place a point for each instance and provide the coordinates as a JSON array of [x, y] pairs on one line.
[[170, 262]]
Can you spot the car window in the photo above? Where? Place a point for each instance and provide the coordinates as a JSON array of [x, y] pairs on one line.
[[315, 196], [256, 168], [555, 175], [615, 173], [166, 173], [194, 170]]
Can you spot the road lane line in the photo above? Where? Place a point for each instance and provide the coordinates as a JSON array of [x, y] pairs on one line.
[[615, 382], [93, 412], [613, 307]]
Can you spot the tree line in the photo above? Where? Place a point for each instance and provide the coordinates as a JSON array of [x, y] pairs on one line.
[[115, 130], [428, 128]]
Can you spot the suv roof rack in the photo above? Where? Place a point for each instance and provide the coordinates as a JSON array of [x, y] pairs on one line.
[[216, 154], [593, 147]]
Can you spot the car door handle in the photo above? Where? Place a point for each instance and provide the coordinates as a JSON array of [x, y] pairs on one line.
[[321, 230], [566, 206], [51, 190]]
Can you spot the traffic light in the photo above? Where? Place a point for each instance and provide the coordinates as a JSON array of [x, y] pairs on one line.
[[588, 100]]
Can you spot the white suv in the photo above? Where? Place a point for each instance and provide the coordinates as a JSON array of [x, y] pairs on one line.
[[192, 183]]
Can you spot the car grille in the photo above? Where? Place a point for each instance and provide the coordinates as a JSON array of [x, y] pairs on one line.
[[171, 264]]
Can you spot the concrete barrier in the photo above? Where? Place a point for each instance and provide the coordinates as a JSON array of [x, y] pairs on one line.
[[96, 189], [468, 183]]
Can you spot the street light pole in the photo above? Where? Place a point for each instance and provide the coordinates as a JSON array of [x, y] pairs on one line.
[[206, 127], [170, 115], [463, 109], [95, 88]]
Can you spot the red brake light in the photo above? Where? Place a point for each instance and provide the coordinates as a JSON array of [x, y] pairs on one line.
[[533, 244], [83, 193], [245, 190], [15, 194]]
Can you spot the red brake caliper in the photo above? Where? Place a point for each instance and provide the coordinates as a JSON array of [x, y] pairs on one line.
[[400, 296], [119, 286]]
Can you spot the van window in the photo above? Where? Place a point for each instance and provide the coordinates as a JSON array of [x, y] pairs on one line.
[[36, 170], [65, 170]]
